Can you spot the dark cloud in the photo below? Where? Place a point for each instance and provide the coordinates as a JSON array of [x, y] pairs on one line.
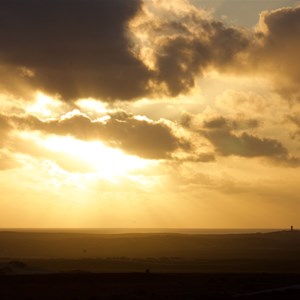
[[220, 132], [230, 137], [75, 48], [13, 81], [222, 123], [6, 161], [4, 125], [4, 130], [84, 50], [188, 43], [147, 139], [199, 158], [184, 56], [278, 49], [245, 145], [80, 49], [295, 119], [156, 140], [217, 123]]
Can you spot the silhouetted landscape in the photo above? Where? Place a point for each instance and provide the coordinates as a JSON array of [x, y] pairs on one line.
[[149, 149], [60, 265]]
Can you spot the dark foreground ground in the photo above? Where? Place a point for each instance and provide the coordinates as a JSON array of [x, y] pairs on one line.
[[73, 266], [130, 286]]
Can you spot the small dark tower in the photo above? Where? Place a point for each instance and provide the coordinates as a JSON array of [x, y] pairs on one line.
[[292, 228]]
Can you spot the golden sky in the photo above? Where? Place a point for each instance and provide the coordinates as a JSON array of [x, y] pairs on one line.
[[149, 113]]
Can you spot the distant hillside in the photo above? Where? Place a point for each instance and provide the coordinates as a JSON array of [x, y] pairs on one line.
[[72, 245], [275, 251]]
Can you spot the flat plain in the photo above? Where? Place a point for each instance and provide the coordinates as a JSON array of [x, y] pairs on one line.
[[149, 266]]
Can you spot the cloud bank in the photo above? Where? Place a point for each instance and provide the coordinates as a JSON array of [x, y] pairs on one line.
[[72, 48], [128, 49], [135, 136]]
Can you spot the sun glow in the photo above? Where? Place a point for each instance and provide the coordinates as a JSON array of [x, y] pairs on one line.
[[81, 157], [92, 106], [106, 162], [44, 106]]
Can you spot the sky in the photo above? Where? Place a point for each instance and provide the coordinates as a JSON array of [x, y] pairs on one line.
[[149, 113]]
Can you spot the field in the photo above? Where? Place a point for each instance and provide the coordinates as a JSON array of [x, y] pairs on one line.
[[149, 266]]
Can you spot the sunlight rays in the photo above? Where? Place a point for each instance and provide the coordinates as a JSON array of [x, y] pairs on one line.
[[108, 162]]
